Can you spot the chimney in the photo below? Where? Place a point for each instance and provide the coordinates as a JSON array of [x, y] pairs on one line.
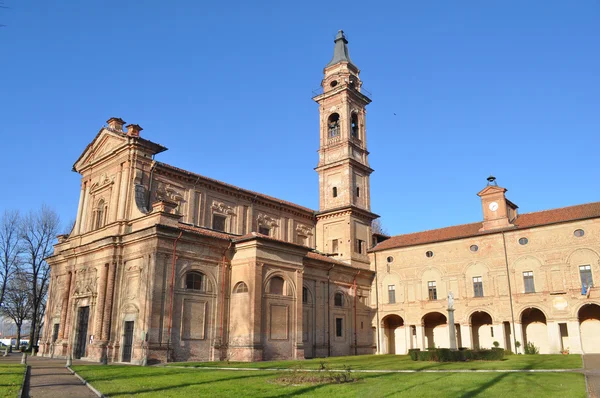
[[116, 124], [133, 130]]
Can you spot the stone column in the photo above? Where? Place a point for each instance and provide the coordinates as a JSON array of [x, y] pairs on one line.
[[64, 308], [519, 337], [451, 329], [114, 199], [100, 302], [108, 302], [420, 337], [256, 312], [79, 211], [465, 334], [573, 328], [73, 279], [553, 338], [82, 218], [123, 192], [299, 351]]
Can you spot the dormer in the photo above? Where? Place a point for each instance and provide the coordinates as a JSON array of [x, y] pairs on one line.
[[498, 211]]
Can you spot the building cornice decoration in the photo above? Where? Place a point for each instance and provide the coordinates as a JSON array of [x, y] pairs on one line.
[[304, 230], [266, 221], [222, 208]]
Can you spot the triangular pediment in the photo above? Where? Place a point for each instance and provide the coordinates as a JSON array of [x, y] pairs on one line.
[[104, 143], [491, 189]]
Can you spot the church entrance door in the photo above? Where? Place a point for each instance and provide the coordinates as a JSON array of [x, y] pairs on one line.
[[82, 326], [127, 341]]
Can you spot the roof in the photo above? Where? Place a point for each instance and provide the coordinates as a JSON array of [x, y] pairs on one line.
[[523, 221], [206, 232], [340, 51], [242, 190]]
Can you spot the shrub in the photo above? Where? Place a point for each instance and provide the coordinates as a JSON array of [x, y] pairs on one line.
[[424, 356], [496, 344], [414, 353], [445, 355], [531, 349]]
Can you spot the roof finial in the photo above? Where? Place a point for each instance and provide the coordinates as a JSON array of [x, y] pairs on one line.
[[492, 181], [340, 51]]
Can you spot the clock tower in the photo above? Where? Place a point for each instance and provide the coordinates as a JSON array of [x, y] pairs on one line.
[[344, 217], [498, 211]]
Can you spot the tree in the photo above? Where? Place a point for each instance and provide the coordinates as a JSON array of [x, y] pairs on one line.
[[10, 249], [38, 232], [17, 305], [377, 227]]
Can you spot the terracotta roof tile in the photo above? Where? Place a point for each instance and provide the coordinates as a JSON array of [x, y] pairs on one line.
[[321, 257], [525, 220], [246, 191]]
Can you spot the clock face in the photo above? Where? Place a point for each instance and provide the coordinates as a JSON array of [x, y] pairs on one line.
[[493, 206]]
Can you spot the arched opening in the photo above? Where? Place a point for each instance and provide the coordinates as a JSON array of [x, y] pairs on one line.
[[333, 125], [276, 285], [535, 330], [354, 125], [240, 287], [436, 330], [338, 300], [482, 329], [394, 336], [589, 326], [195, 281]]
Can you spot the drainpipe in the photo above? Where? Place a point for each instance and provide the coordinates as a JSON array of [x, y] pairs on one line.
[[172, 292], [329, 312], [377, 304], [355, 333], [223, 294], [512, 312]]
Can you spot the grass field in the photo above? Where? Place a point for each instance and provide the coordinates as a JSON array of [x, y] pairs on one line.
[[164, 382], [397, 362], [11, 377]]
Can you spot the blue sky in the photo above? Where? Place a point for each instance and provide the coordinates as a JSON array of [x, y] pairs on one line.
[[503, 87]]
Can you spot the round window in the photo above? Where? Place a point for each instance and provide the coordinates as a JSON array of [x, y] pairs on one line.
[[333, 83], [429, 253], [523, 241], [579, 233], [474, 248], [390, 259]]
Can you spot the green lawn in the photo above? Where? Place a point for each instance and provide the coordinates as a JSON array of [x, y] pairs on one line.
[[395, 362], [11, 377], [163, 382]]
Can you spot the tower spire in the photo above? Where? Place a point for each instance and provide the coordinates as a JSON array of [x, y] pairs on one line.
[[340, 51]]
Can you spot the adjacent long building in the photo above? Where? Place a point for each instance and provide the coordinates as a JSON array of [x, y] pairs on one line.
[[164, 264]]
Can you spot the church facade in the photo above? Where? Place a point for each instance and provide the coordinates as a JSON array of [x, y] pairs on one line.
[[167, 265]]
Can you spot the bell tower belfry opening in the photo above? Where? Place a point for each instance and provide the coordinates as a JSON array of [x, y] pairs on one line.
[[344, 217]]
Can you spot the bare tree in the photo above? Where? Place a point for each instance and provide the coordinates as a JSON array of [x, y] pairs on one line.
[[38, 232], [18, 304], [377, 227], [10, 249]]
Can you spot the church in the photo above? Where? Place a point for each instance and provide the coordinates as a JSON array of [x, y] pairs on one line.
[[166, 265]]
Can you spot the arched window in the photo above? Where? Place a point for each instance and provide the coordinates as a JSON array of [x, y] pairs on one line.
[[338, 300], [276, 285], [333, 125], [195, 281], [100, 214], [354, 125], [240, 287], [304, 295]]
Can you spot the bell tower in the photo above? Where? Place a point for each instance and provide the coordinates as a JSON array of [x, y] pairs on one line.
[[344, 217]]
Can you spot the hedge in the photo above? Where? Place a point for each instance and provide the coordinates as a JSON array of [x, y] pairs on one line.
[[447, 355]]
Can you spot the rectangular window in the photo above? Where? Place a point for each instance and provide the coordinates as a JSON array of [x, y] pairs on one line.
[[432, 289], [334, 246], [478, 286], [528, 282], [360, 246], [264, 230], [218, 222], [391, 294], [585, 272], [339, 329]]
